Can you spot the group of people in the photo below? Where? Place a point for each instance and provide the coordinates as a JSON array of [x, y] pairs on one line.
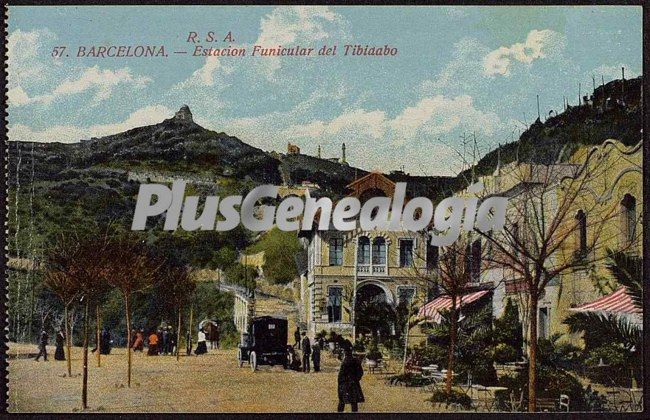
[[162, 341], [310, 353], [44, 338], [59, 354]]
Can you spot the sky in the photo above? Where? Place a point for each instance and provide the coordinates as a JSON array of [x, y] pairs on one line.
[[471, 72]]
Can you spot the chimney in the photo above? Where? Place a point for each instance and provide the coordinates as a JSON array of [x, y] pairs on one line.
[[343, 153]]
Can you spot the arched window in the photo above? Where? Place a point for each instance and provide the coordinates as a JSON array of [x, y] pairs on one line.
[[581, 233], [379, 251], [628, 219], [363, 250]]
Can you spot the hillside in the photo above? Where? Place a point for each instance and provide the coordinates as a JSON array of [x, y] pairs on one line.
[[88, 183], [614, 110]]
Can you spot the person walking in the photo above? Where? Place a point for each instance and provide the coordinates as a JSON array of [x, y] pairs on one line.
[[165, 341], [172, 340], [201, 345], [306, 352], [59, 354], [296, 336], [153, 344], [349, 388], [138, 342], [188, 344], [42, 346], [105, 342], [217, 336], [315, 357]]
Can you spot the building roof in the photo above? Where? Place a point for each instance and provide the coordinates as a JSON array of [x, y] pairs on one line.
[[371, 181]]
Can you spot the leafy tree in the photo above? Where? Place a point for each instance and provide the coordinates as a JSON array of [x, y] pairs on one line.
[[242, 275], [508, 330], [280, 249]]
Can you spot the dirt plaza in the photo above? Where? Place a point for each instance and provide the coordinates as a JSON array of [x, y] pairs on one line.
[[208, 383]]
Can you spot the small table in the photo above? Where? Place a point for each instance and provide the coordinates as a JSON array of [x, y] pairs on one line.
[[488, 399]]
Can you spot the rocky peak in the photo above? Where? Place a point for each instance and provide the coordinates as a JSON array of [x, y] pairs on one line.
[[183, 115]]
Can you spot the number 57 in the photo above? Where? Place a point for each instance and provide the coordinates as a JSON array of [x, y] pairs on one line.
[[58, 51]]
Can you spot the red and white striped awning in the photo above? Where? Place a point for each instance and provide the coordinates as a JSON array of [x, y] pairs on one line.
[[619, 302], [431, 311]]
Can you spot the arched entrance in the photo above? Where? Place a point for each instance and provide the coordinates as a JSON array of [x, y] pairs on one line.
[[374, 312]]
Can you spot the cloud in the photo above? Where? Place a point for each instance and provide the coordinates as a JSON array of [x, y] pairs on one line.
[[463, 73], [18, 97], [71, 134], [286, 26], [101, 81], [438, 115], [373, 137], [538, 44], [24, 52], [31, 69]]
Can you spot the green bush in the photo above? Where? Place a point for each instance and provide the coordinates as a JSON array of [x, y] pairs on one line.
[[430, 355], [408, 379], [373, 351], [612, 354], [504, 353], [453, 397], [551, 383]]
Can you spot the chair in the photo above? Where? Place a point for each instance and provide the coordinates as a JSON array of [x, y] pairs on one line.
[[564, 402]]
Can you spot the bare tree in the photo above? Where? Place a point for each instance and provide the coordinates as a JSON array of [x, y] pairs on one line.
[[131, 270], [81, 260], [554, 225], [68, 291]]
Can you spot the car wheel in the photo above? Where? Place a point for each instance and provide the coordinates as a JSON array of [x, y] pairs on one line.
[[253, 360], [240, 358]]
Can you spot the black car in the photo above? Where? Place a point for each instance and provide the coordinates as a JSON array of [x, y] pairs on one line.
[[265, 342]]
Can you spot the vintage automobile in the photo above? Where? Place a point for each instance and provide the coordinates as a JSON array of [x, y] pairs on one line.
[[265, 342]]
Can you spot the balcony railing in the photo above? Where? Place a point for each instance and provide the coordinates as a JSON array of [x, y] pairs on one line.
[[371, 269]]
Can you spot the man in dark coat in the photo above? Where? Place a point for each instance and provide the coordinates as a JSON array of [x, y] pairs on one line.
[[296, 336], [315, 357], [172, 341], [105, 342], [165, 341], [306, 352], [349, 387], [42, 346]]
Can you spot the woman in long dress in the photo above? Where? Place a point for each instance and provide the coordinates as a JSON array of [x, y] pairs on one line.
[[153, 344], [201, 346], [138, 342], [59, 354]]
